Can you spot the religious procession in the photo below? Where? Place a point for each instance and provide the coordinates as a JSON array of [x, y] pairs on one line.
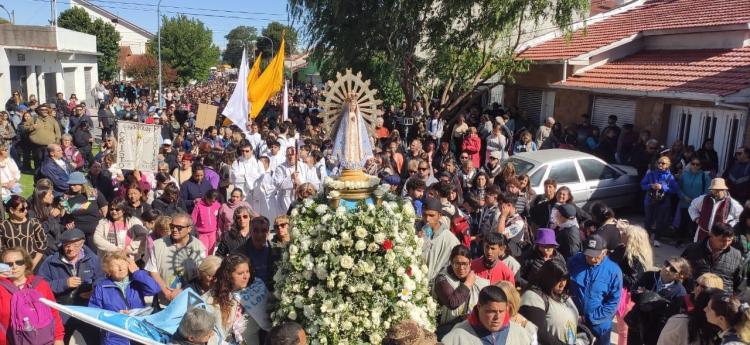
[[560, 173]]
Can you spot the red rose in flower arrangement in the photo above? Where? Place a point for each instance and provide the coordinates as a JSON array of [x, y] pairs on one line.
[[408, 271], [387, 245]]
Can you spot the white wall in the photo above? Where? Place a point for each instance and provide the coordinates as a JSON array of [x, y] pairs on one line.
[[128, 37], [701, 40], [48, 62], [74, 40]]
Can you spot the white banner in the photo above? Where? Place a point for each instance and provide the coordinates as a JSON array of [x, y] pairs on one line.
[[138, 146]]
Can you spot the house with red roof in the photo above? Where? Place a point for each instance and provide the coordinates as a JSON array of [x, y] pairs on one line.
[[678, 68]]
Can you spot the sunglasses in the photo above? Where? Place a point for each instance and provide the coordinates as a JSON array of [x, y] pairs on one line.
[[15, 263], [422, 169], [464, 157], [669, 267], [116, 209], [244, 216], [179, 227]]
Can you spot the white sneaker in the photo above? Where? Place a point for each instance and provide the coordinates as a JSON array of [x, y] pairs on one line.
[[657, 244]]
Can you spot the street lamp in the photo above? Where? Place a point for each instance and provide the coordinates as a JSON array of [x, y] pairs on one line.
[[269, 40], [11, 17], [158, 28]]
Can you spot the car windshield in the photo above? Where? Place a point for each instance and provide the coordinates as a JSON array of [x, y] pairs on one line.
[[522, 166]]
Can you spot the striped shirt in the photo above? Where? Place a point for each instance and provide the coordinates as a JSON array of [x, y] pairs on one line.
[[28, 235]]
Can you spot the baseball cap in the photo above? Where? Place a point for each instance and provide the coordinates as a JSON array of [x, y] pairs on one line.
[[594, 246]]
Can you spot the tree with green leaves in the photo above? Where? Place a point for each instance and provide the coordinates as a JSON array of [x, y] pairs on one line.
[[107, 38], [187, 45], [273, 31], [237, 39], [450, 50]]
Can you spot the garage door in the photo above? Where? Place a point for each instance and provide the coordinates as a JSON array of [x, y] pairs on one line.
[[530, 102], [624, 109], [693, 125]]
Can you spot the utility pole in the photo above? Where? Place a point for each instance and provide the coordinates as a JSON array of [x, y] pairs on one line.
[[158, 21], [53, 12]]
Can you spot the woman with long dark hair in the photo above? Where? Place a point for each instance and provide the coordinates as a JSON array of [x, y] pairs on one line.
[[233, 281], [45, 209], [691, 328], [119, 231], [604, 219], [547, 305], [732, 316], [21, 231]]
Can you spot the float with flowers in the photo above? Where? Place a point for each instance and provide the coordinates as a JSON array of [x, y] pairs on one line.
[[354, 266]]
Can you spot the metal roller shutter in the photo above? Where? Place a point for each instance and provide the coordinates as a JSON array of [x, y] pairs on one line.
[[624, 109], [530, 102]]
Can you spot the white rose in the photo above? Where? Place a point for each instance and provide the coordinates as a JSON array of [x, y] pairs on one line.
[[307, 202], [321, 272], [360, 232], [360, 245], [321, 209], [373, 247], [330, 283], [379, 238], [346, 262], [326, 247], [307, 274], [346, 325], [325, 218], [293, 315], [341, 211], [400, 271], [375, 338], [294, 213], [293, 250]]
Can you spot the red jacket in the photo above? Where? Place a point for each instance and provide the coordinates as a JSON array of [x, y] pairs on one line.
[[473, 145], [46, 292], [496, 274]]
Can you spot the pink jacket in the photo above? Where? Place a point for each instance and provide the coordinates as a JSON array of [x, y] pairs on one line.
[[206, 217], [226, 214]]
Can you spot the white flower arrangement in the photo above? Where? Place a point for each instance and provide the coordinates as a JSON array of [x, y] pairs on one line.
[[334, 184], [347, 280]]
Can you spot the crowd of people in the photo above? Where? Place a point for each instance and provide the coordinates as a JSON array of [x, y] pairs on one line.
[[506, 265]]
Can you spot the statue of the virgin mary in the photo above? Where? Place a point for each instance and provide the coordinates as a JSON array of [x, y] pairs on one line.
[[352, 144]]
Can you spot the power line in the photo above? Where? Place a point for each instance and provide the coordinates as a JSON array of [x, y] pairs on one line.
[[190, 8]]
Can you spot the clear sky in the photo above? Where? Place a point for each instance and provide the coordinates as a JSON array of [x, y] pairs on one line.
[[219, 15]]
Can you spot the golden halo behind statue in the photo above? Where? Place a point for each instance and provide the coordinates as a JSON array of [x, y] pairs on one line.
[[342, 89]]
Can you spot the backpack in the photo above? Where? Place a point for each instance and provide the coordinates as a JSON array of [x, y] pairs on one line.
[[460, 228], [31, 321]]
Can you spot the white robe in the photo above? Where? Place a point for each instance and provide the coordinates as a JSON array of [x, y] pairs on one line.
[[282, 180], [276, 160], [263, 196], [256, 141], [244, 172]]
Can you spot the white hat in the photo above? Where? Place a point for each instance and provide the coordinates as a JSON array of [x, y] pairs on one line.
[[167, 142]]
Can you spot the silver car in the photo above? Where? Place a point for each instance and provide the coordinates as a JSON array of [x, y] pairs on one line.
[[588, 177]]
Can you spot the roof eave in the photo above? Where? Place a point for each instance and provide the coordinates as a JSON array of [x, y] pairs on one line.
[[695, 96], [120, 20], [591, 20]]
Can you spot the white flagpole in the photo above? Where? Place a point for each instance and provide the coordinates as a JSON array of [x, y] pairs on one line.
[[285, 116]]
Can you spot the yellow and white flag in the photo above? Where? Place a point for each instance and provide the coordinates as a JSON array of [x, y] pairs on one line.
[[269, 82]]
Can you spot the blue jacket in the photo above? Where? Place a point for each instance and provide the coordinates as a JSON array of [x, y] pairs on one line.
[[595, 289], [108, 296], [54, 172], [190, 190], [664, 178], [692, 185], [57, 272]]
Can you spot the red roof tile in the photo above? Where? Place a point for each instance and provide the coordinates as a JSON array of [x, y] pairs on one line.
[[652, 15], [717, 72]]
